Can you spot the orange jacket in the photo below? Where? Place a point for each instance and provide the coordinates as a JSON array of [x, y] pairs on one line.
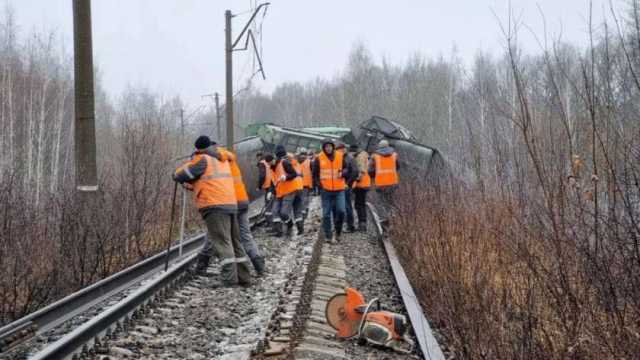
[[307, 177], [242, 197], [268, 178], [212, 184], [286, 187], [386, 172], [331, 172]]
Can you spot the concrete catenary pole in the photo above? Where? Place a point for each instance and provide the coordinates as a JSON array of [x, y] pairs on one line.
[[229, 89], [84, 126], [229, 46]]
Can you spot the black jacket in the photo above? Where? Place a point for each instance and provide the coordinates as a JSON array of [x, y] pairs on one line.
[[262, 175], [288, 168]]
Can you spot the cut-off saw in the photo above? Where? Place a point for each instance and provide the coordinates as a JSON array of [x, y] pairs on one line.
[[354, 318]]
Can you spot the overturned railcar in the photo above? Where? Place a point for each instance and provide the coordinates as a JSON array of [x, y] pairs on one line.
[[417, 161], [265, 137]]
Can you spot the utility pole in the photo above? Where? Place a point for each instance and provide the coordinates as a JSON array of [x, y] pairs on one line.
[[84, 126], [229, 89], [229, 48], [216, 97]]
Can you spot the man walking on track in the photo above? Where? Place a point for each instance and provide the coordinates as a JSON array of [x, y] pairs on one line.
[[242, 198], [361, 186], [208, 174], [265, 183], [288, 178], [383, 169], [330, 172], [307, 180], [353, 172]]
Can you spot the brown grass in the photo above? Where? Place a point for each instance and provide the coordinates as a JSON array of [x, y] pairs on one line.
[[499, 284]]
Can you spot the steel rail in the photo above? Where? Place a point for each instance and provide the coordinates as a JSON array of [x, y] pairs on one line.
[[62, 310], [75, 341], [428, 344]]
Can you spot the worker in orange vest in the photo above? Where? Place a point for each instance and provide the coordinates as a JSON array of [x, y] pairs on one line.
[[307, 180], [383, 169], [208, 174], [243, 230], [329, 172], [265, 184], [361, 186], [288, 178], [353, 172]]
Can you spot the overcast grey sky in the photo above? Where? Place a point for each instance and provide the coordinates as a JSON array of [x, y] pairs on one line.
[[176, 46]]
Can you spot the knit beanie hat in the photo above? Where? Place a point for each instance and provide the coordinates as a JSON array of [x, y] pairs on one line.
[[203, 142]]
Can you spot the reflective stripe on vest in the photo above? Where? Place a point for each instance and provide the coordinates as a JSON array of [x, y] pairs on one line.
[[307, 178], [331, 172], [215, 186], [268, 178], [386, 173], [286, 187]]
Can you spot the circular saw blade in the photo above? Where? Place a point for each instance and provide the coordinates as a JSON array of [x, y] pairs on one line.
[[334, 312]]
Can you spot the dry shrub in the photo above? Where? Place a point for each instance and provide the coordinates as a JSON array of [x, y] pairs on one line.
[[500, 283]]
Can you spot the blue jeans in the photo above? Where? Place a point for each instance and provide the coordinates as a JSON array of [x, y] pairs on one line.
[[333, 205]]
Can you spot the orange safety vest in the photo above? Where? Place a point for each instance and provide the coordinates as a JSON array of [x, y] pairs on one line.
[[268, 178], [286, 187], [331, 172], [307, 178], [386, 171], [242, 197], [365, 179], [215, 187]]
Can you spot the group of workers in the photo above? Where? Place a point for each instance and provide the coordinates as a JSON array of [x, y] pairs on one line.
[[342, 177], [288, 181]]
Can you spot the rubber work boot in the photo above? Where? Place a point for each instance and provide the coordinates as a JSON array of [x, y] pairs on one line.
[[273, 228], [278, 229], [289, 227], [300, 226], [202, 264], [258, 264]]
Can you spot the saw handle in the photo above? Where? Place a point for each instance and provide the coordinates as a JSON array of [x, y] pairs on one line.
[[367, 309]]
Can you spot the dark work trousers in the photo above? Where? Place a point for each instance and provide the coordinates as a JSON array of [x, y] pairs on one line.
[[289, 208], [349, 208], [224, 241], [246, 238], [386, 197], [269, 205], [306, 199], [360, 204], [333, 208]]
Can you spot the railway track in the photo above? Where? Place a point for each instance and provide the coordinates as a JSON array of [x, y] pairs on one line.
[[143, 312]]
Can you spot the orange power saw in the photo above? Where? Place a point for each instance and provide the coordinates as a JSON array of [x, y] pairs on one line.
[[352, 317]]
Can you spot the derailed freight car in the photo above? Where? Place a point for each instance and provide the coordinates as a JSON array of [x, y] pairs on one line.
[[417, 161]]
